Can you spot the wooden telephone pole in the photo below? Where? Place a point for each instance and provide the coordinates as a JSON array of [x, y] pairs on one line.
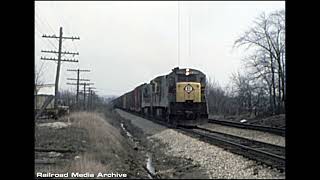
[[84, 91], [59, 52], [84, 94], [91, 93], [78, 81]]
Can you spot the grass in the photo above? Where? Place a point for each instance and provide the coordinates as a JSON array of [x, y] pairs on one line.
[[107, 143], [85, 164], [101, 133], [106, 149]]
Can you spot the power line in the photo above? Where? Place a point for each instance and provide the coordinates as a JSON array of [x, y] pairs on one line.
[[44, 20], [78, 79], [178, 33], [40, 32], [70, 30], [189, 35], [64, 46], [62, 20], [53, 6]]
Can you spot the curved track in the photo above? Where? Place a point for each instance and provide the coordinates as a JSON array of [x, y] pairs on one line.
[[273, 130]]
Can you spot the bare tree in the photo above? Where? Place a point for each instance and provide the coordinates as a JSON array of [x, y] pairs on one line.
[[38, 78], [216, 97], [221, 100], [67, 97], [267, 41], [243, 91], [260, 71]]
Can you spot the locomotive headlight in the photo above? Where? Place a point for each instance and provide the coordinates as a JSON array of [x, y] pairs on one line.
[[187, 71]]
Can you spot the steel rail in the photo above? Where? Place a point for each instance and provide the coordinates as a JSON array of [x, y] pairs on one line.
[[276, 160], [273, 130], [248, 148]]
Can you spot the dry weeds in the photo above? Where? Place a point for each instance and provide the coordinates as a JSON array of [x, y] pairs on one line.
[[101, 134], [107, 143], [85, 164], [106, 147]]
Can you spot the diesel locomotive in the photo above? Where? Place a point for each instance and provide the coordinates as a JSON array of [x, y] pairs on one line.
[[177, 98]]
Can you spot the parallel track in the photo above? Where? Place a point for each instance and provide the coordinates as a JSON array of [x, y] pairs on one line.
[[269, 154], [266, 153], [273, 130]]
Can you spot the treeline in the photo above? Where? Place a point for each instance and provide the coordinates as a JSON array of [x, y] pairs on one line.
[[261, 88], [91, 102]]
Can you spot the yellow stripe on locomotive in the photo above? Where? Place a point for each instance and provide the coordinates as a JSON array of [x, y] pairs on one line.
[[188, 92]]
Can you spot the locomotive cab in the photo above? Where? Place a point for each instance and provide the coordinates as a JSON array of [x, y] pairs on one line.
[[189, 106], [177, 98]]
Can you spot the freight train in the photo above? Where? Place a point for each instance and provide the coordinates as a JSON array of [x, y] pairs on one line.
[[177, 98]]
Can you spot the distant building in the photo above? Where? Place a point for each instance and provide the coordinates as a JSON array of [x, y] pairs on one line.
[[44, 90], [41, 94]]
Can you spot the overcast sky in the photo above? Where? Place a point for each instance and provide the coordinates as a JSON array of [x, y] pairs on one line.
[[125, 44]]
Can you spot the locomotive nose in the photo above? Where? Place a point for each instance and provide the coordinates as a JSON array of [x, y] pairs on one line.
[[189, 115], [188, 91]]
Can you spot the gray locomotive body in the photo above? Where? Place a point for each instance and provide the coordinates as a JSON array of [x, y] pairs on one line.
[[177, 98]]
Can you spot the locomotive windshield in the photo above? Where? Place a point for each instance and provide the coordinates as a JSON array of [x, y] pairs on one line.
[[185, 78]]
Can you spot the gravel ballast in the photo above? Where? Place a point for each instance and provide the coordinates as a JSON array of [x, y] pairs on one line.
[[217, 162], [148, 127], [250, 134]]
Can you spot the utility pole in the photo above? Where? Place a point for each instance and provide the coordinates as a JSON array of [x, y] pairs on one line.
[[84, 93], [88, 92], [59, 52], [90, 97], [84, 96], [78, 81], [84, 84], [93, 98]]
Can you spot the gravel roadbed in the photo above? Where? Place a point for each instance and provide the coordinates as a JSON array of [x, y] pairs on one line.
[[148, 127], [217, 162], [250, 134]]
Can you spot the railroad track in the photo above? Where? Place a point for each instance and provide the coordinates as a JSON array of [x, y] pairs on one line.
[[268, 154], [273, 130]]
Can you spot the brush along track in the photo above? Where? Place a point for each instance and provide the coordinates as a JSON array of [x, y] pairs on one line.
[[269, 154], [273, 130]]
